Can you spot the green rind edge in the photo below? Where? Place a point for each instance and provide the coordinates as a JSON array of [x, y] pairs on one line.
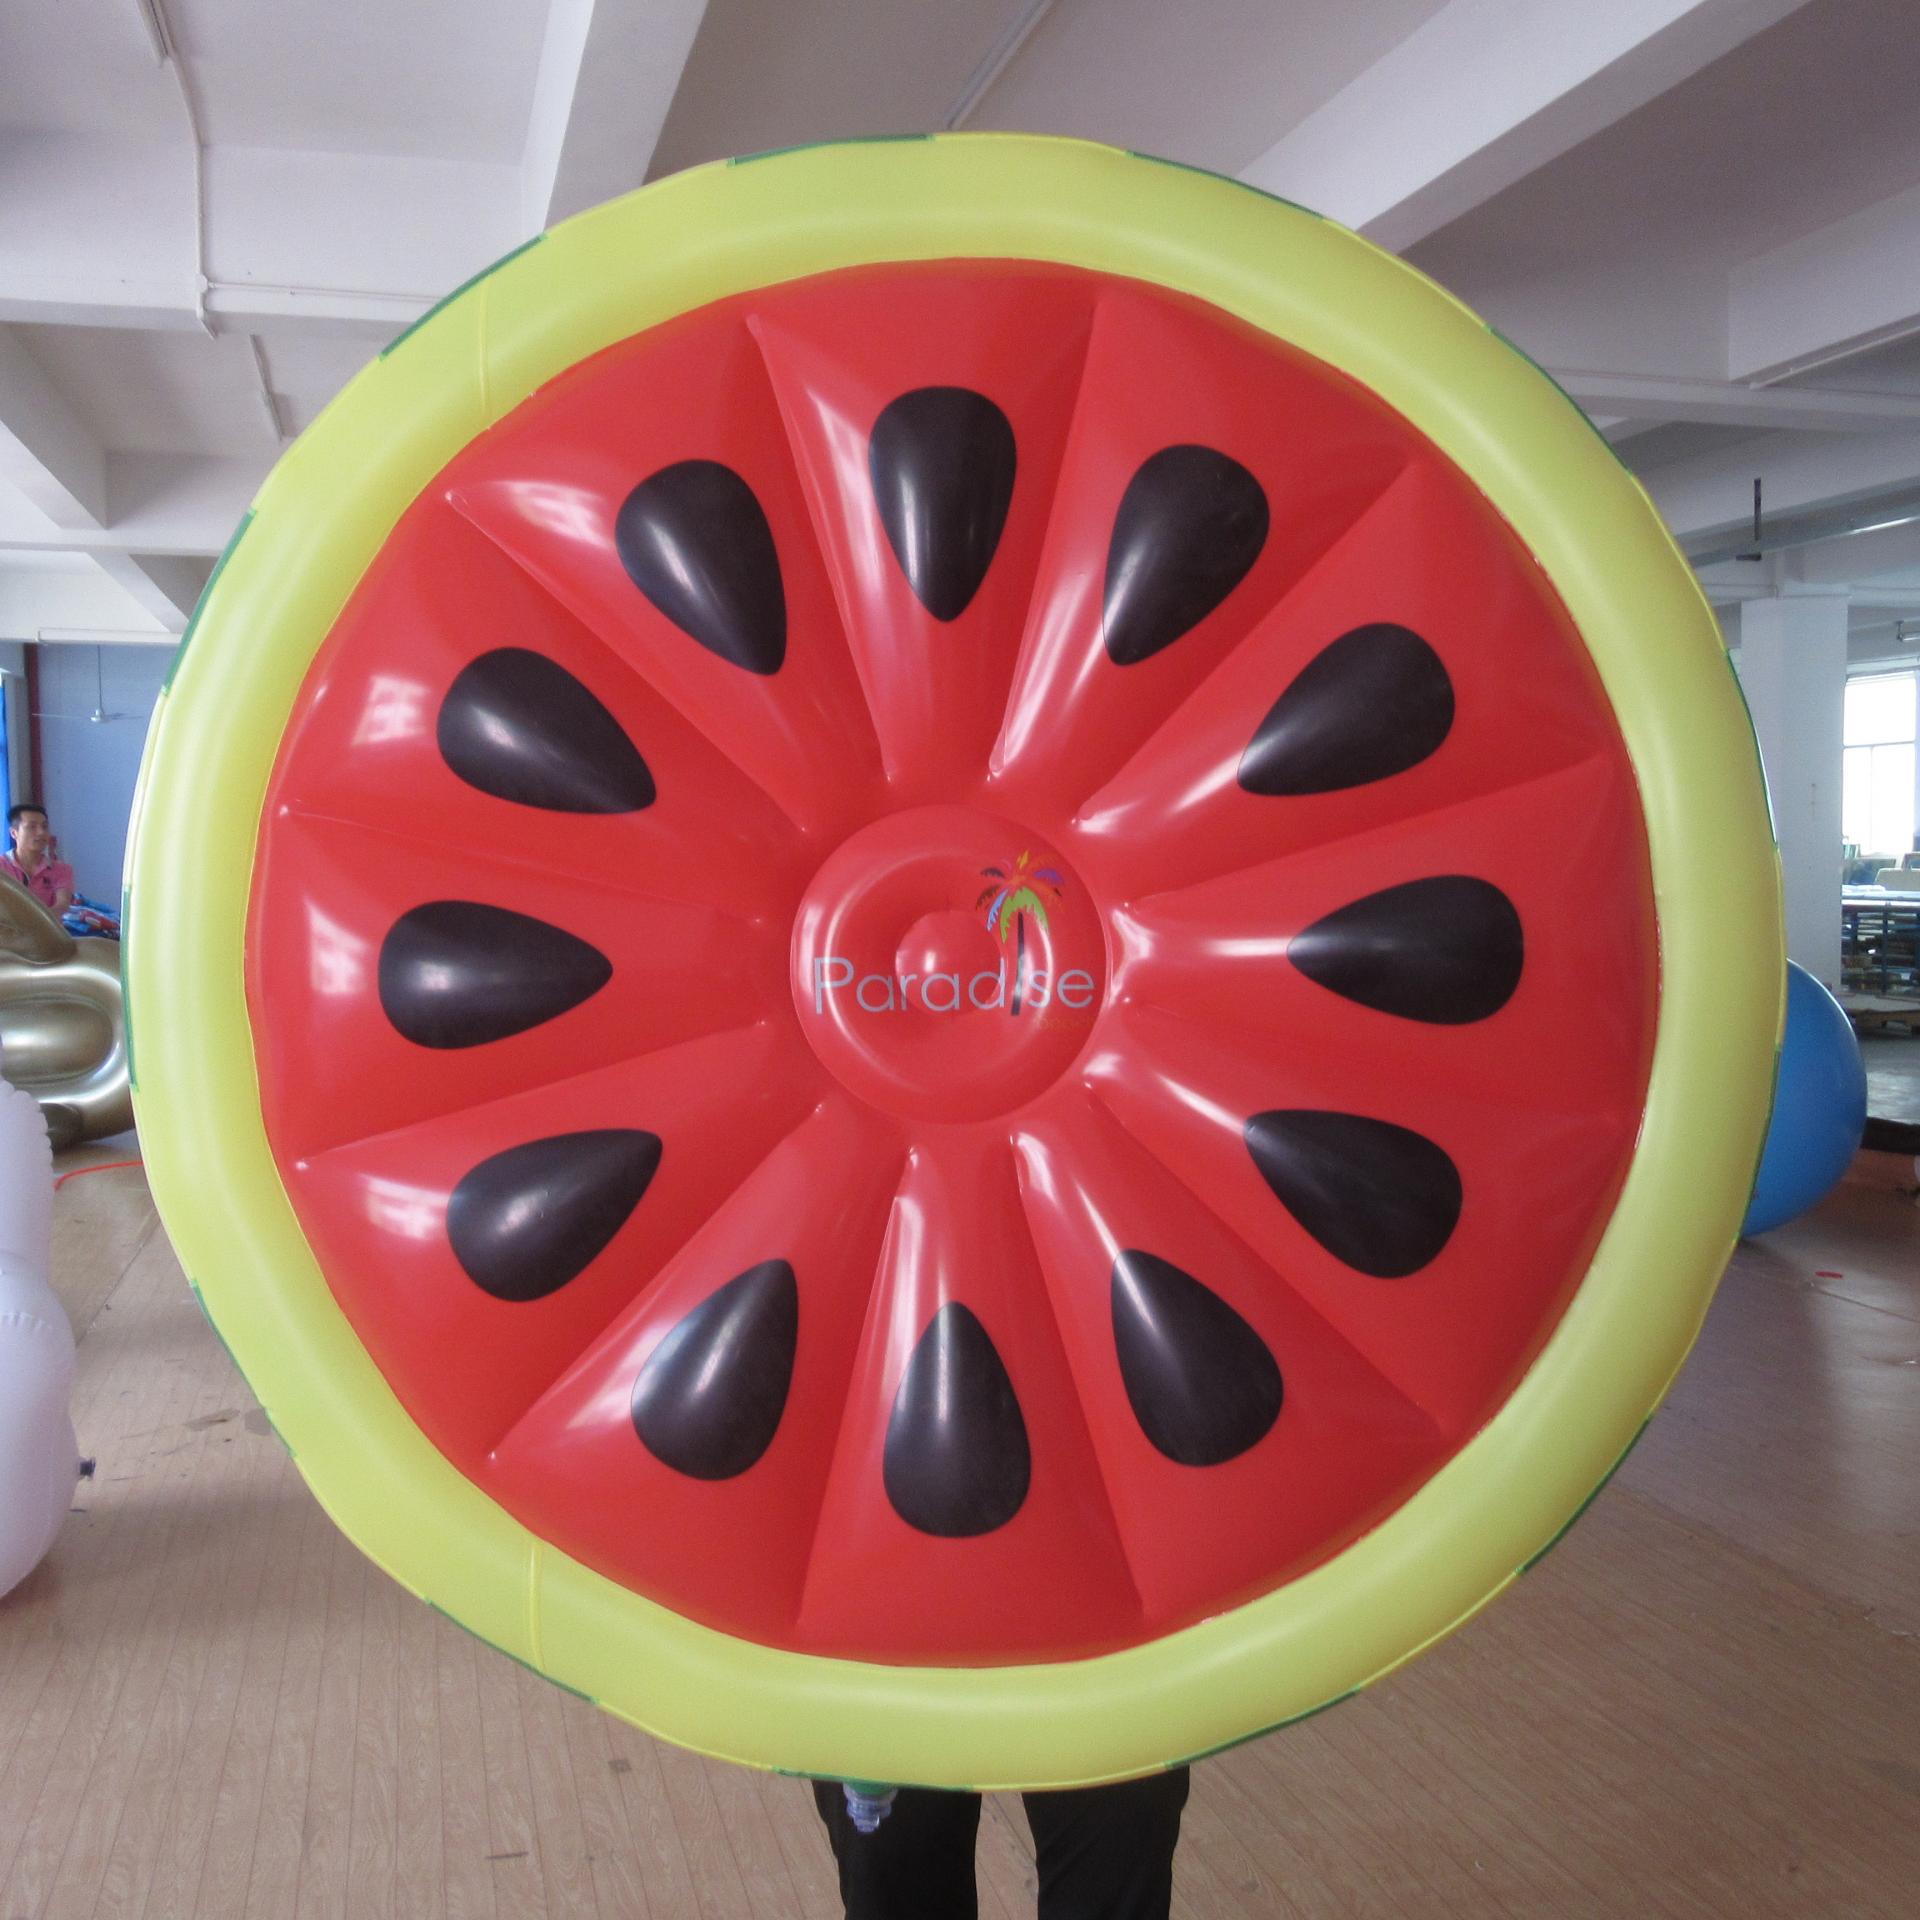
[[446, 300], [1227, 179], [200, 607], [1606, 1480], [807, 146]]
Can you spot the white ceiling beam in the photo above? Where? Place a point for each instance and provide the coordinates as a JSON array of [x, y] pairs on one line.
[[1870, 608], [1863, 560], [86, 239], [316, 313], [1729, 582], [1486, 92], [290, 231], [1883, 637], [161, 504], [1876, 645], [598, 115], [163, 586], [91, 298], [46, 449], [556, 88], [106, 637], [1847, 286], [1775, 576], [1654, 398], [1615, 431], [1714, 491], [41, 599], [96, 231]]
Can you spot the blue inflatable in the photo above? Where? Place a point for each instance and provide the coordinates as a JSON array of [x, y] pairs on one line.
[[1819, 1107]]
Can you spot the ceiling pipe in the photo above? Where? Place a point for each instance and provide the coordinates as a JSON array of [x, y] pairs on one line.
[[1888, 336], [159, 31], [1869, 666], [103, 637], [243, 307], [152, 27], [1810, 528], [1000, 56], [267, 401]]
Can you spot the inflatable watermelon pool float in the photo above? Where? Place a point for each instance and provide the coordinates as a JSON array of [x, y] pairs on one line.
[[957, 1027]]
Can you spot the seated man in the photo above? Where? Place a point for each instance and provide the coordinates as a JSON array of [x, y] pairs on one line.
[[31, 863]]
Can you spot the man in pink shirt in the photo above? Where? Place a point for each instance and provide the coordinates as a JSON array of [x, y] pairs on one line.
[[31, 864]]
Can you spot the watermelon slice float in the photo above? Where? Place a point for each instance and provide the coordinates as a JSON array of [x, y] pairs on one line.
[[955, 970]]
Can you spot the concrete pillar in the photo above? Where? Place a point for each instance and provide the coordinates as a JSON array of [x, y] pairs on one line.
[[1915, 846], [1793, 665]]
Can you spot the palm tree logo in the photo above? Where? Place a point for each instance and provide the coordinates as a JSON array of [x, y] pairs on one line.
[[1008, 901]]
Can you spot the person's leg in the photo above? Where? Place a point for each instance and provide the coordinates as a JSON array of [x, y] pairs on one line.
[[916, 1865], [1106, 1853]]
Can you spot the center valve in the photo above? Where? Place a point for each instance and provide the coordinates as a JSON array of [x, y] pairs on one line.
[[947, 964]]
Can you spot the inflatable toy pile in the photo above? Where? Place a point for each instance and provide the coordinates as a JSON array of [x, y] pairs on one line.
[[957, 1006]]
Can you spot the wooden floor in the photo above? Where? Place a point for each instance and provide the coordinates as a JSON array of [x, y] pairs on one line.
[[1704, 1704]]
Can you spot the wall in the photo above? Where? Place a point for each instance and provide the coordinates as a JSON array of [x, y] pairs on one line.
[[13, 663], [89, 767]]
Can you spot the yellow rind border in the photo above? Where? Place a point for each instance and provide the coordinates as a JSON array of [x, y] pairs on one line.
[[702, 236]]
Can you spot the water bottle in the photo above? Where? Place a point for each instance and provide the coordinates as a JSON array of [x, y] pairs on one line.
[[868, 1803]]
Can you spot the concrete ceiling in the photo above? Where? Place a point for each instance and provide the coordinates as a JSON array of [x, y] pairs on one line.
[[767, 73], [1207, 83], [86, 71], [458, 75], [1703, 216], [1786, 133]]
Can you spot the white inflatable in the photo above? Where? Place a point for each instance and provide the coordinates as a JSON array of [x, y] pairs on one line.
[[39, 1458]]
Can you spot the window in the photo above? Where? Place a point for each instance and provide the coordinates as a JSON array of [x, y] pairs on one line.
[[1877, 776]]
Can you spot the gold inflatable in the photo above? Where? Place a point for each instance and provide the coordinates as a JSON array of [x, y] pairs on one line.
[[63, 1032]]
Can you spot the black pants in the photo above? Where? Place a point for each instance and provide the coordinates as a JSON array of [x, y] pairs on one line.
[[1104, 1853]]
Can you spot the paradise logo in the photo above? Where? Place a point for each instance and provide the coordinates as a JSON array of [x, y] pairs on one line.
[[1012, 897], [1011, 900]]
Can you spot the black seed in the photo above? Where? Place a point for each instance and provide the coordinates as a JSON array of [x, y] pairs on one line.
[[454, 973], [1446, 950], [956, 1460], [694, 540], [1380, 1197], [709, 1399], [1203, 1384], [520, 727], [942, 462], [1190, 525], [1371, 704], [528, 1220]]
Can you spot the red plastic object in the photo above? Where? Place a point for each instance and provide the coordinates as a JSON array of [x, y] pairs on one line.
[[852, 1307], [104, 1166]]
